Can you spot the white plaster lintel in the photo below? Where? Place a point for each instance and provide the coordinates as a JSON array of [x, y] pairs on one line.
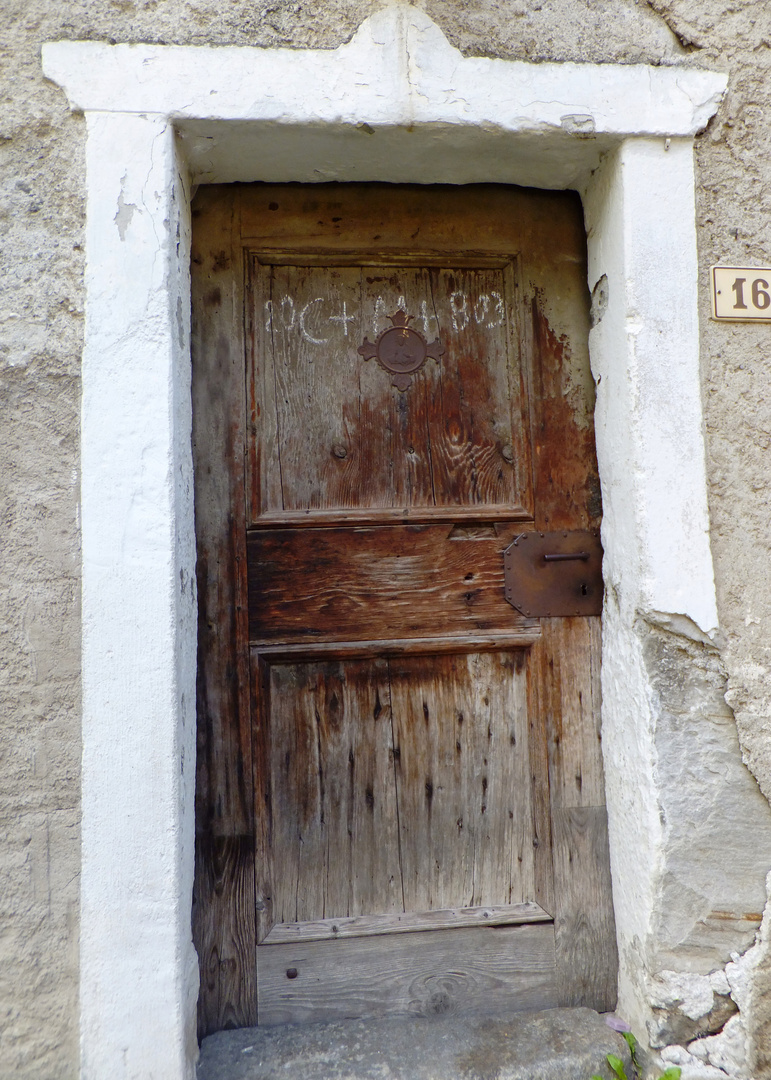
[[398, 69]]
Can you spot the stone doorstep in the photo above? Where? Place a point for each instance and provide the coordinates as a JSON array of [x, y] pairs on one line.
[[556, 1044]]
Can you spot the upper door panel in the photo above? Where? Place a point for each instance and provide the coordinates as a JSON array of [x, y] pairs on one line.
[[332, 435]]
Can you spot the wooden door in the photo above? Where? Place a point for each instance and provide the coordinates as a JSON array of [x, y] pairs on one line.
[[400, 801]]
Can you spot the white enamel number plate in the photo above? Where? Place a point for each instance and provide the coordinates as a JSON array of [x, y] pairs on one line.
[[741, 293]]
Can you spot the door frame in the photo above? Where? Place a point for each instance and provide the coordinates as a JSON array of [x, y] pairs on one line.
[[396, 103]]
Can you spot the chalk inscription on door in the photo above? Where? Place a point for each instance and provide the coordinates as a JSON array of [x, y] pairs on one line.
[[400, 795]]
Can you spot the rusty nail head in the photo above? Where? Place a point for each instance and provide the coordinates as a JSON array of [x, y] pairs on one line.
[[291, 973]]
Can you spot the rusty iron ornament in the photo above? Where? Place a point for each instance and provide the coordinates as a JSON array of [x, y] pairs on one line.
[[401, 350]]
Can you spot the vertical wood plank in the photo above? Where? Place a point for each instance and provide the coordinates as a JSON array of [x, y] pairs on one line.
[[264, 890], [263, 462], [394, 428], [335, 838], [566, 667], [224, 789], [566, 477], [575, 751], [224, 883], [475, 437], [538, 676], [584, 925], [315, 317], [223, 930], [460, 733]]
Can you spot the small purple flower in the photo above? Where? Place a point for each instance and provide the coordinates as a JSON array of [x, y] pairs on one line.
[[616, 1022]]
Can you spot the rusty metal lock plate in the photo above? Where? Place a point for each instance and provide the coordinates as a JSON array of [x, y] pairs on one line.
[[554, 573]]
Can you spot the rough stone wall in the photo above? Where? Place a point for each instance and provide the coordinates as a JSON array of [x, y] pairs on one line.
[[41, 208]]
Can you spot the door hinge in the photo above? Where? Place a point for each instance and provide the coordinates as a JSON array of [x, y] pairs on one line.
[[554, 573]]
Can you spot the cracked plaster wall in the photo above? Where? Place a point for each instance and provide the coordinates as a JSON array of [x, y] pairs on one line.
[[42, 207]]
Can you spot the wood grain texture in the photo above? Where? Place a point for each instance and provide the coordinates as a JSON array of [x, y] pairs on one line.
[[479, 453], [338, 435], [399, 785], [406, 923], [538, 752], [314, 519], [572, 698], [420, 974], [335, 840], [401, 581], [565, 729], [224, 794], [224, 924], [515, 638], [460, 737], [587, 958], [223, 930], [411, 219], [566, 476]]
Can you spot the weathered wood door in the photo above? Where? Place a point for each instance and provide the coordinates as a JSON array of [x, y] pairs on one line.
[[400, 795]]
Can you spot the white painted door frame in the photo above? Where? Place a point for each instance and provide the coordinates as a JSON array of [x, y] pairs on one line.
[[397, 103]]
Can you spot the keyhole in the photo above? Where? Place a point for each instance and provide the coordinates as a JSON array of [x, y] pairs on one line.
[[583, 588]]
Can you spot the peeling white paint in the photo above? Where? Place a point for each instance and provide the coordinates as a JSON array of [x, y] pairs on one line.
[[396, 103]]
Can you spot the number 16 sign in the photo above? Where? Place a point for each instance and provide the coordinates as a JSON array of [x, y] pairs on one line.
[[741, 293]]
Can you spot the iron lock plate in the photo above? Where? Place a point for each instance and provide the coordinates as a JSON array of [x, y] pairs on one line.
[[554, 573]]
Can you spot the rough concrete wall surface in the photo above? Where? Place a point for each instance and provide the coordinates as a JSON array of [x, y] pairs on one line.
[[694, 1020]]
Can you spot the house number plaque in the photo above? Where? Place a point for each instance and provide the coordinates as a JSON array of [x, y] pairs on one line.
[[741, 293], [401, 350]]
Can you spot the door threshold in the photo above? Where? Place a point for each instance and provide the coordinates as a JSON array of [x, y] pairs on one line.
[[554, 1044]]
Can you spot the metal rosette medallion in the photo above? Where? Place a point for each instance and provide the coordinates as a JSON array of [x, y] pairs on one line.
[[401, 350]]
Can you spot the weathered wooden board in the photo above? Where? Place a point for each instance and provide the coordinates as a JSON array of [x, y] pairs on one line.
[[517, 637], [395, 785], [419, 974], [566, 477], [569, 652], [314, 519], [335, 839], [224, 926], [462, 775], [587, 959], [380, 582], [413, 220], [407, 922], [538, 751], [565, 704], [223, 931], [224, 795], [342, 436]]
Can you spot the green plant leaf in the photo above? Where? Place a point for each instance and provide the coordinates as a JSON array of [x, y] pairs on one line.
[[630, 1041], [672, 1073], [596, 1077], [617, 1066]]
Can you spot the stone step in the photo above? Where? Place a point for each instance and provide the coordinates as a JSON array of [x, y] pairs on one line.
[[557, 1044]]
